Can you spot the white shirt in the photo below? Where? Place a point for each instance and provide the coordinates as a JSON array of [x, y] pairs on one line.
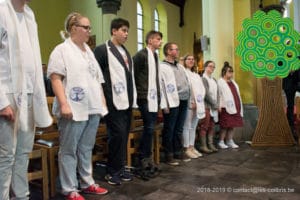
[[25, 45], [84, 68], [123, 53]]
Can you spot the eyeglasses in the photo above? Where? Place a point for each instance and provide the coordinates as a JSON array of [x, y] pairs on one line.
[[190, 59], [230, 70], [88, 28]]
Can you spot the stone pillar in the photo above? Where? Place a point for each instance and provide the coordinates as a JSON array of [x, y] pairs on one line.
[[222, 21], [218, 26], [109, 12], [297, 14]]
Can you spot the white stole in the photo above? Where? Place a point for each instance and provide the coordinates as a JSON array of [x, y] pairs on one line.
[[169, 94], [226, 97], [41, 113], [152, 88], [119, 82], [198, 90]]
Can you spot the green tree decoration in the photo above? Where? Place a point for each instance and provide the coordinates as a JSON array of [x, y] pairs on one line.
[[269, 48], [269, 45]]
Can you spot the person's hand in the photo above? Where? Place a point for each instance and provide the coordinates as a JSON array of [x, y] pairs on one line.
[[193, 105], [8, 113], [66, 111], [166, 110]]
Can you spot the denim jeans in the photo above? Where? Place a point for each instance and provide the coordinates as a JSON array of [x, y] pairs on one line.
[[76, 142], [149, 120], [173, 128], [15, 146]]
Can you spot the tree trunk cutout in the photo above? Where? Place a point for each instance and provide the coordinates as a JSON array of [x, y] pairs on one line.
[[272, 128]]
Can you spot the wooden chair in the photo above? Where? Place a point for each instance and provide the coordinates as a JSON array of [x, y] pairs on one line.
[[101, 148], [135, 134], [52, 163], [132, 144], [42, 173], [47, 139], [157, 143]]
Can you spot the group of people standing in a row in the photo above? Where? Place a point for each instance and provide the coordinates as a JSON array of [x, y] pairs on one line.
[[200, 103], [105, 83]]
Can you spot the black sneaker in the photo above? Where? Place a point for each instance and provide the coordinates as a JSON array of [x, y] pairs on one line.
[[126, 176], [113, 180], [154, 172], [149, 169], [140, 173]]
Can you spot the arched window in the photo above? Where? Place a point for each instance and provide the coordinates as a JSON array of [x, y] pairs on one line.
[[156, 26], [156, 20], [140, 30]]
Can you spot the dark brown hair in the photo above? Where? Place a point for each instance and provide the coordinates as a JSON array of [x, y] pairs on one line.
[[207, 63], [118, 23], [193, 69], [225, 68], [167, 46], [151, 34]]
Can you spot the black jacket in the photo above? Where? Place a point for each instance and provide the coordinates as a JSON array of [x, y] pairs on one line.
[[141, 73], [102, 58]]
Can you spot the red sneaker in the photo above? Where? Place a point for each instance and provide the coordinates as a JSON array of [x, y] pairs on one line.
[[74, 196], [95, 189]]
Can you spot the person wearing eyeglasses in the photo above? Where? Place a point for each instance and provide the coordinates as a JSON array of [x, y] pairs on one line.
[[23, 104], [174, 103], [120, 92], [211, 102], [79, 103], [230, 107]]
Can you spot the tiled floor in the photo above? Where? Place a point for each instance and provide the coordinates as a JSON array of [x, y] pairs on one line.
[[244, 173]]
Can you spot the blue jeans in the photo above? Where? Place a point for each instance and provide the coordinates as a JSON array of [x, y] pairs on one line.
[[173, 128], [15, 146], [149, 120], [76, 142]]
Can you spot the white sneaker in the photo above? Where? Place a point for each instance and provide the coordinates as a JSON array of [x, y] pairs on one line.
[[196, 152], [190, 154], [222, 145], [231, 144]]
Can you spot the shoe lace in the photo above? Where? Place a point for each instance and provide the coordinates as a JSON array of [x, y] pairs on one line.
[[126, 173], [94, 187]]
